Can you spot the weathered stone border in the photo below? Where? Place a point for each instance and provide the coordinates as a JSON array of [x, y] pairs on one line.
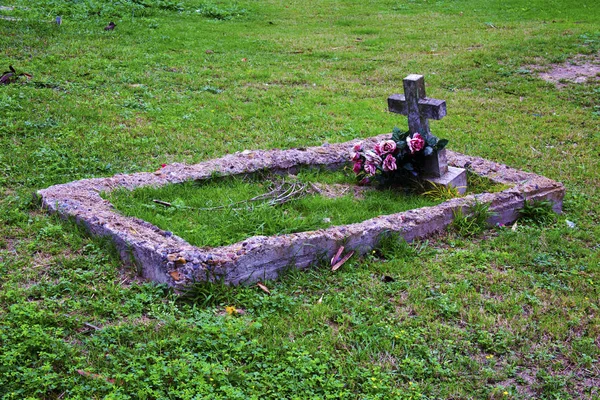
[[164, 257]]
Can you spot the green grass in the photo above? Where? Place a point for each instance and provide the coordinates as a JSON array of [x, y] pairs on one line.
[[512, 311], [217, 212]]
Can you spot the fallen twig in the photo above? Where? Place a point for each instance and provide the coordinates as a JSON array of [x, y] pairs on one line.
[[281, 194], [91, 326]]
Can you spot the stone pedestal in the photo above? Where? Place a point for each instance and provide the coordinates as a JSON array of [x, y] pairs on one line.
[[436, 170], [456, 177]]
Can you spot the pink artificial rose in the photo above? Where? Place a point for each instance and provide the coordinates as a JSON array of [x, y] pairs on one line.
[[357, 167], [389, 164], [387, 146], [364, 181], [416, 143], [372, 157], [355, 156], [370, 168], [358, 147]]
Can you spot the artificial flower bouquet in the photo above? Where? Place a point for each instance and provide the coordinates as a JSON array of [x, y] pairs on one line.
[[395, 160]]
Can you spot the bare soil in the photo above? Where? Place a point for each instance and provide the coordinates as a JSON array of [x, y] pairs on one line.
[[580, 69]]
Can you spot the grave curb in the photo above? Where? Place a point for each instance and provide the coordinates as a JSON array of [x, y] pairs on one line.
[[166, 258]]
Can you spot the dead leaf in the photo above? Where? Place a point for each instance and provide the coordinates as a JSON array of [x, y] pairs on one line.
[[176, 275], [95, 376], [320, 300], [514, 227], [342, 261], [337, 255], [263, 287]]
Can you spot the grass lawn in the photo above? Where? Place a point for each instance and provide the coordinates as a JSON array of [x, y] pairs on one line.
[[506, 314], [218, 212]]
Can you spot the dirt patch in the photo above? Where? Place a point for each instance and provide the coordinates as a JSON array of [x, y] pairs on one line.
[[580, 69], [336, 190]]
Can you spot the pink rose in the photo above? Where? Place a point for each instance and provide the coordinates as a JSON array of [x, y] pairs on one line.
[[358, 147], [355, 156], [389, 164], [357, 167], [387, 146], [372, 157], [364, 181], [416, 143], [370, 168]]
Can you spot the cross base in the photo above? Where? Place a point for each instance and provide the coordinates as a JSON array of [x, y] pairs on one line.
[[456, 177]]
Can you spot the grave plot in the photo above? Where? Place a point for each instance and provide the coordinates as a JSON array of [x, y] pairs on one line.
[[165, 257]]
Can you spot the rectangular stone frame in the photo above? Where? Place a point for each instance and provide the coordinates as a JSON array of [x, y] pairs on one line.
[[167, 258]]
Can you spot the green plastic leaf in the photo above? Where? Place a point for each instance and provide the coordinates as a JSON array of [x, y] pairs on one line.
[[401, 145], [441, 144], [408, 167], [396, 134], [432, 141], [428, 150]]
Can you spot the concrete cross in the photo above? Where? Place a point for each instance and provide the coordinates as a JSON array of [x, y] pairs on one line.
[[419, 109], [416, 105]]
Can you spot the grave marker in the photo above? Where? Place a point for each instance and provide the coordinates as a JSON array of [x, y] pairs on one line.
[[419, 109]]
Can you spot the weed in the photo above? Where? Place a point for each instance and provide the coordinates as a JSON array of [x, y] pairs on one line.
[[220, 12], [208, 293], [538, 212], [392, 246], [439, 192], [473, 223]]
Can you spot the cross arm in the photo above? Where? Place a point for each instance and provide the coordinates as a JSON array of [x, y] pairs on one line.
[[428, 108]]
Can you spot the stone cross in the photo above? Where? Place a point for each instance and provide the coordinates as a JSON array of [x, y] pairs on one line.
[[419, 109], [414, 104]]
